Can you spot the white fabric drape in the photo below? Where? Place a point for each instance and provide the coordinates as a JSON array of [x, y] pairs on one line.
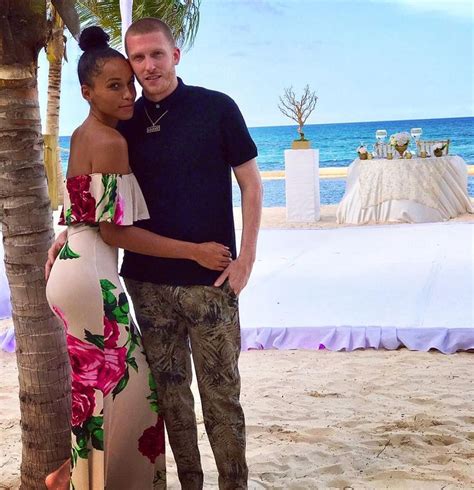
[[359, 287], [126, 15], [415, 191]]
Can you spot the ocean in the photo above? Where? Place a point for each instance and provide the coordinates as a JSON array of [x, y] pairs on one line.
[[337, 145]]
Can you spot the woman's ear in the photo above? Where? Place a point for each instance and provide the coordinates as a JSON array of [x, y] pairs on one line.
[[86, 92]]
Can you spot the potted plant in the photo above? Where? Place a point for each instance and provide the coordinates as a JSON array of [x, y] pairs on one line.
[[298, 110]]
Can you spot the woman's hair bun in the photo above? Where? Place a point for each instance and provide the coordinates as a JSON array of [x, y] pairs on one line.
[[93, 37]]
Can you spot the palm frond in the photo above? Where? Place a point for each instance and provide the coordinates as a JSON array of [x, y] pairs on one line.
[[181, 15], [68, 15]]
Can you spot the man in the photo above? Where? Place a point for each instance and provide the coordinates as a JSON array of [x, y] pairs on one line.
[[183, 142]]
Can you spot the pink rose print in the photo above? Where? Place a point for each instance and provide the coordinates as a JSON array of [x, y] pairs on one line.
[[118, 215], [61, 316], [86, 361], [111, 333], [113, 370], [83, 403], [82, 202], [152, 442]]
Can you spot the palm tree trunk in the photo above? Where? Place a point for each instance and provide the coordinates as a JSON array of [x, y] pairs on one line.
[[55, 52], [27, 233]]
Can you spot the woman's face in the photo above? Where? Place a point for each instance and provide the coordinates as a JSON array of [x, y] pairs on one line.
[[112, 93]]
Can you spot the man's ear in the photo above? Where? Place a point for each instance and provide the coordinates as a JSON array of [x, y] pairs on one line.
[[176, 56], [86, 92]]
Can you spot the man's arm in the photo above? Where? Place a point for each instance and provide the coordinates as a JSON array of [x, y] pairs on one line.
[[250, 183]]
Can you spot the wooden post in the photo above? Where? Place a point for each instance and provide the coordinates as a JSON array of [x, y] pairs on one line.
[[51, 167]]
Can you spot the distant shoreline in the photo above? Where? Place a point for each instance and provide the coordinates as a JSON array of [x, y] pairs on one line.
[[326, 173], [365, 122]]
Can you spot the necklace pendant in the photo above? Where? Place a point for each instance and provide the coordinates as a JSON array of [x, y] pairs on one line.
[[153, 129]]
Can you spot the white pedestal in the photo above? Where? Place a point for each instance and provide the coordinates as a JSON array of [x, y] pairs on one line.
[[302, 185]]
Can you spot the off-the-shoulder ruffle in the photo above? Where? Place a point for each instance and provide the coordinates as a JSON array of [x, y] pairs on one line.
[[93, 198]]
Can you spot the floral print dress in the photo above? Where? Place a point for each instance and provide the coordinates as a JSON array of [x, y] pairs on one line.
[[117, 429]]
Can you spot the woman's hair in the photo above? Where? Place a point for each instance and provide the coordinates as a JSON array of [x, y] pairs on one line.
[[94, 43]]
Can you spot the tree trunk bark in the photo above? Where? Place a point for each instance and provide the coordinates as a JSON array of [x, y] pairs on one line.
[[55, 51], [27, 233]]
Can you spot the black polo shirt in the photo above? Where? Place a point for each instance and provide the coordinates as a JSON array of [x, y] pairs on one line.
[[184, 171]]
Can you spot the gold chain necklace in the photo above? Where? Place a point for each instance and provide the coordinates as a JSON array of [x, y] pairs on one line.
[[154, 128]]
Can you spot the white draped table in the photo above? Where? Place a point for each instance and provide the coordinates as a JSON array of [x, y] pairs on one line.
[[418, 190]]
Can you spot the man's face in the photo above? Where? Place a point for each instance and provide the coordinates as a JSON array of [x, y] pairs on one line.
[[153, 60]]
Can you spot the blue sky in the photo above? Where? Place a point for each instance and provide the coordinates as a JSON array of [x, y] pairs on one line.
[[366, 60]]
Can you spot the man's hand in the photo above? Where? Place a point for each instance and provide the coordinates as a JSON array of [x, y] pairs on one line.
[[238, 273], [53, 252]]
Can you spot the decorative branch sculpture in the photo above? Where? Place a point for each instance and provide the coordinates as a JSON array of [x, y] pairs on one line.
[[298, 110]]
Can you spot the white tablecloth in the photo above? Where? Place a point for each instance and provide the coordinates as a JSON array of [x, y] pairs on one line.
[[418, 190]]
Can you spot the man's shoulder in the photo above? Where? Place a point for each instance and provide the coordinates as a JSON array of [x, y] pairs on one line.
[[207, 94]]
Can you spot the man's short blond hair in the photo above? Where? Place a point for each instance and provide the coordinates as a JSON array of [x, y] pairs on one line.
[[148, 25]]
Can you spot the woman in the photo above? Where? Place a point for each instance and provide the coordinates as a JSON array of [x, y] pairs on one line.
[[118, 435]]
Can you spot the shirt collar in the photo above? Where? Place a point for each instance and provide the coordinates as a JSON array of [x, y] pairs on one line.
[[165, 103]]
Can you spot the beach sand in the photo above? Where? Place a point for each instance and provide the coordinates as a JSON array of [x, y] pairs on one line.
[[320, 419], [276, 218]]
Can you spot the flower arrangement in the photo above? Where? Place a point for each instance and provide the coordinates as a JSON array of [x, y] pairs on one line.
[[400, 139], [362, 151], [438, 148], [400, 142]]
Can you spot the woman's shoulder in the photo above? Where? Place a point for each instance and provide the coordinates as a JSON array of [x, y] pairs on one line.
[[110, 155]]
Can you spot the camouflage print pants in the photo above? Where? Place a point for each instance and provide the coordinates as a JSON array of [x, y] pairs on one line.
[[174, 319]]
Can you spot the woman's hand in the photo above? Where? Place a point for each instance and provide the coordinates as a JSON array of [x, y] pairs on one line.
[[212, 255], [53, 253]]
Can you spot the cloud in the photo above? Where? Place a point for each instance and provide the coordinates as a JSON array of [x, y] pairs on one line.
[[456, 8]]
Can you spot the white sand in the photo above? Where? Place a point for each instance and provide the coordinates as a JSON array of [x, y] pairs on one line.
[[320, 419]]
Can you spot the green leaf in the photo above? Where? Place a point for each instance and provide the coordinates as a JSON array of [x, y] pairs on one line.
[[109, 298], [153, 400], [151, 382], [95, 423], [121, 384], [106, 285], [132, 362], [74, 456], [69, 15], [120, 316], [152, 396], [68, 216], [82, 443], [97, 340], [109, 311], [83, 452], [181, 16], [67, 253], [97, 439], [135, 338], [123, 302]]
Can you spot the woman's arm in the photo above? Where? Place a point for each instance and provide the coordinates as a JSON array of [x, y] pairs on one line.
[[211, 255], [112, 157]]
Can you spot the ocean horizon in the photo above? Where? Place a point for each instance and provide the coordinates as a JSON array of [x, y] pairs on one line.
[[337, 143]]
